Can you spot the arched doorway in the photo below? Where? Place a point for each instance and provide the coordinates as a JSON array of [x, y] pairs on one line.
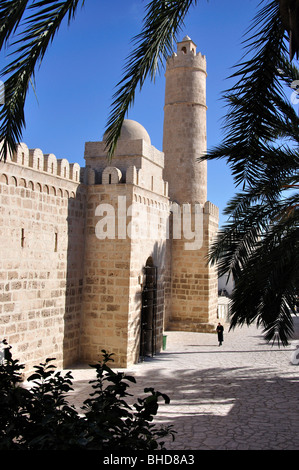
[[148, 310]]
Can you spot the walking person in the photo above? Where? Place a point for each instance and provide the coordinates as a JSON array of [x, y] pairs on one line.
[[220, 331]]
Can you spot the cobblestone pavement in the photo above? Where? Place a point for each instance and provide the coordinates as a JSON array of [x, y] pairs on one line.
[[243, 395]]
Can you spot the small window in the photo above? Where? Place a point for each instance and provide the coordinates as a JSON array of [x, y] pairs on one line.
[[110, 178], [56, 242], [22, 238]]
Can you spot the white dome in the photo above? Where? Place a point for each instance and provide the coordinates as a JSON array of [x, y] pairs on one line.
[[132, 130]]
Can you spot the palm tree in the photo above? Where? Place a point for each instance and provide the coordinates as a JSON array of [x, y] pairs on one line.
[[263, 222], [259, 245]]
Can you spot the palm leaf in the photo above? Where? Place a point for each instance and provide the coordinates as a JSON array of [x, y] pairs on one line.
[[251, 101], [259, 247], [162, 22], [11, 13], [266, 291], [39, 26]]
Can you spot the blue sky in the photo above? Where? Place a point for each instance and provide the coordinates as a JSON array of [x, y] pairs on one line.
[[77, 79]]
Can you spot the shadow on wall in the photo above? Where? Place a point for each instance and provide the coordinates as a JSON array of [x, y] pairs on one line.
[[74, 276]]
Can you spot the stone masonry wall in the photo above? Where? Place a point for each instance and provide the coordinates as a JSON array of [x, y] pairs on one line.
[[114, 267], [132, 185], [42, 233], [194, 282], [106, 280], [151, 213]]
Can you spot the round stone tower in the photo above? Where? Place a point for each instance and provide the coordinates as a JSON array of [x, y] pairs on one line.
[[194, 283], [184, 137]]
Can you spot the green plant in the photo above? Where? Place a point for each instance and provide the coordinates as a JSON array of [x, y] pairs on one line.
[[40, 417], [13, 399], [113, 421]]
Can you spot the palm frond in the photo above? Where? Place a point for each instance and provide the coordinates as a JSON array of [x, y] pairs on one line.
[[259, 247], [11, 13], [289, 11], [32, 38], [266, 291], [252, 110], [161, 24]]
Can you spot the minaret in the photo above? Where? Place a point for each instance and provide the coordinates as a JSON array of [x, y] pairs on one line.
[[185, 133], [194, 284]]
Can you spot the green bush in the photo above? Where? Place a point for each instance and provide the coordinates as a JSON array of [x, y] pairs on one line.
[[40, 418]]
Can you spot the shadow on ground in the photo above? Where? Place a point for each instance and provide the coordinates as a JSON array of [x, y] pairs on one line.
[[231, 408], [221, 399]]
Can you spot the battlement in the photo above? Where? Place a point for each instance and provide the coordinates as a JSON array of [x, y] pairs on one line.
[[45, 163], [131, 175], [135, 162], [186, 56], [211, 209]]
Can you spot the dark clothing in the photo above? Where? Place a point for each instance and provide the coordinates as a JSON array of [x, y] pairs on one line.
[[220, 330]]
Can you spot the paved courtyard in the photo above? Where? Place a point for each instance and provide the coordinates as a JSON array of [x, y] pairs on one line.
[[243, 395]]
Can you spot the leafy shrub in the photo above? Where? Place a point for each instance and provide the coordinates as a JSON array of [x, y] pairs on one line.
[[40, 418]]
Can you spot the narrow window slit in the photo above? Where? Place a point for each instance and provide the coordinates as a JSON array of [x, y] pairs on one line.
[[22, 238]]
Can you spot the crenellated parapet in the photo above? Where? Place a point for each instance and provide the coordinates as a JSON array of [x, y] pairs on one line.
[[45, 163], [186, 56], [111, 175], [29, 170], [132, 175], [211, 209]]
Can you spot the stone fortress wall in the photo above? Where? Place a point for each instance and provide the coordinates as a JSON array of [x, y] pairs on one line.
[[67, 292], [74, 242], [114, 266], [41, 256]]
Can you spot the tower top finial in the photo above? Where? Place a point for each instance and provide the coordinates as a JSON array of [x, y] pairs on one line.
[[186, 46]]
